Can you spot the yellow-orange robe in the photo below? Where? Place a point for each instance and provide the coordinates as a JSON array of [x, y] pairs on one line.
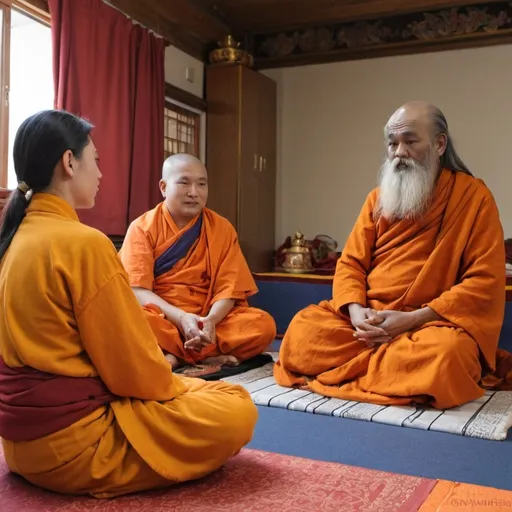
[[451, 260], [68, 309], [213, 269]]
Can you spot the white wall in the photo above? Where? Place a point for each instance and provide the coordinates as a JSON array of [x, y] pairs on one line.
[[176, 64], [330, 129]]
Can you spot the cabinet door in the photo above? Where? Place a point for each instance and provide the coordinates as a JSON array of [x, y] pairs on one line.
[[267, 140], [223, 139], [257, 180], [248, 208]]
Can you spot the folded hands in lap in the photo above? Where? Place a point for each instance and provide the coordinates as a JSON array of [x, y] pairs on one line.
[[197, 331], [376, 327]]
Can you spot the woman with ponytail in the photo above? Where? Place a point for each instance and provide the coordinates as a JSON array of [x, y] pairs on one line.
[[42, 142], [88, 402]]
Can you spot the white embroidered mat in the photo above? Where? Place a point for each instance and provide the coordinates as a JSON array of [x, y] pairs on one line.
[[489, 417]]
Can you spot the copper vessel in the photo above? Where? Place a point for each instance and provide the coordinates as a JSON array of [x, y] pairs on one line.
[[298, 256]]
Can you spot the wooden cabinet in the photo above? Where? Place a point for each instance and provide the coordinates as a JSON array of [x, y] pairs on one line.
[[241, 157]]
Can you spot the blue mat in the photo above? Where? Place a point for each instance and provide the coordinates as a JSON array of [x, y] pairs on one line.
[[386, 448], [372, 445], [284, 299]]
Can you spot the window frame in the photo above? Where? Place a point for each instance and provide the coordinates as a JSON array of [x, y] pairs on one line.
[[5, 63], [35, 9], [179, 108], [185, 100]]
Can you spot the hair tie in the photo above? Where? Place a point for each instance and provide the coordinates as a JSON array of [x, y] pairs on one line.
[[23, 187]]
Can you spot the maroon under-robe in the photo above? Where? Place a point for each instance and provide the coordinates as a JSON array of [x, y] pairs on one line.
[[34, 404]]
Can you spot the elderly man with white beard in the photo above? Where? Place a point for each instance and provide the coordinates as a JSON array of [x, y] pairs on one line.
[[419, 291]]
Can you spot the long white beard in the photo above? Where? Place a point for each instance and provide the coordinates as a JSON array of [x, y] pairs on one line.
[[406, 187]]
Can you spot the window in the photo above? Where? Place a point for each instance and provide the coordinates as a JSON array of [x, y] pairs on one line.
[[26, 77], [181, 130]]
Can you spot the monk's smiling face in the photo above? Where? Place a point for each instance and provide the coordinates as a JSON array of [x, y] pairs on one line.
[[184, 185]]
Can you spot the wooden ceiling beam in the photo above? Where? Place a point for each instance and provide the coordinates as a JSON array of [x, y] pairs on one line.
[[143, 12], [211, 7], [265, 16], [185, 24], [392, 50], [185, 15], [457, 28], [200, 19]]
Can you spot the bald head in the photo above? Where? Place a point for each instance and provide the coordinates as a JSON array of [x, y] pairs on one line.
[[179, 163], [184, 185], [414, 115]]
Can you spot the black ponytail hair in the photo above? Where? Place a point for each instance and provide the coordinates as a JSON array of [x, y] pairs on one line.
[[40, 142]]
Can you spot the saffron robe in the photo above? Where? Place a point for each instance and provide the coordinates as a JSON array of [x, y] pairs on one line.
[[191, 269], [451, 260], [68, 310]]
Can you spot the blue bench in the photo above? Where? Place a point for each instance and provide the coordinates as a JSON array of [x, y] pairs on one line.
[[283, 297]]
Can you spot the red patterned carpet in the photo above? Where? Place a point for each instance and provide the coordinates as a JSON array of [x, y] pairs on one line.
[[253, 481]]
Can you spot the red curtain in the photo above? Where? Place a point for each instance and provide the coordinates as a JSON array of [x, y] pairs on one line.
[[111, 72]]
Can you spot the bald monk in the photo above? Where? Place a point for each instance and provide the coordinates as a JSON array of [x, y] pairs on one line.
[[419, 291], [88, 402], [188, 272]]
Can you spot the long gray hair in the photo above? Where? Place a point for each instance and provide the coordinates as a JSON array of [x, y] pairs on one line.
[[450, 159]]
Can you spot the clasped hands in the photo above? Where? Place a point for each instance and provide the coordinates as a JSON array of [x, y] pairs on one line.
[[198, 331], [376, 327]]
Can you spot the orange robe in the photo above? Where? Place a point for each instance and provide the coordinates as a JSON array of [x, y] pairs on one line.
[[68, 309], [213, 269], [453, 261]]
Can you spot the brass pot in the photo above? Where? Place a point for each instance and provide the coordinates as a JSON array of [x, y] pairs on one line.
[[229, 53], [298, 256]]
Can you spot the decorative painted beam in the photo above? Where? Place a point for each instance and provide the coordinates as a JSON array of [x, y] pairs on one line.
[[460, 27]]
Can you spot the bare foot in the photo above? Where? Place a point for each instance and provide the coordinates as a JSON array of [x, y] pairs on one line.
[[173, 360], [222, 360]]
